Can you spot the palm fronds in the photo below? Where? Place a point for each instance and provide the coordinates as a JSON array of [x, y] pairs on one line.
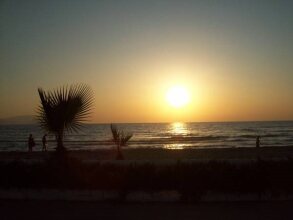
[[64, 109], [119, 137]]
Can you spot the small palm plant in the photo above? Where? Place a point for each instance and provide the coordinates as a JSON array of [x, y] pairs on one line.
[[120, 139], [64, 110]]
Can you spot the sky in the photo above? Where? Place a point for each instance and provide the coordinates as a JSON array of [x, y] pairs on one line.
[[235, 58]]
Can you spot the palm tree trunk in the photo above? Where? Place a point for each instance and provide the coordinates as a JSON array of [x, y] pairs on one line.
[[59, 139], [119, 153], [60, 155]]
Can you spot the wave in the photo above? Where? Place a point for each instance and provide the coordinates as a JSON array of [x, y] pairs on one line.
[[170, 138], [160, 135]]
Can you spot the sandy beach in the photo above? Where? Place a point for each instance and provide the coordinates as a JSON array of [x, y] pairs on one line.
[[76, 204], [144, 154], [265, 170]]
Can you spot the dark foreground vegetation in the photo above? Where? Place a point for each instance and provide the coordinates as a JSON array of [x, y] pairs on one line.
[[192, 180]]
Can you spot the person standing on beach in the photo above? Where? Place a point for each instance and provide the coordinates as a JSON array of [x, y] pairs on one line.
[[257, 145], [31, 143], [44, 141]]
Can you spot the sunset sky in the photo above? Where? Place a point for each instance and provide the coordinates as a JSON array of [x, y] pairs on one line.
[[234, 58]]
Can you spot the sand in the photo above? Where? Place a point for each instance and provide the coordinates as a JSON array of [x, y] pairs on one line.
[[144, 154]]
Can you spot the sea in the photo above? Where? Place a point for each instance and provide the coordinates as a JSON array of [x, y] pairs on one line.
[[174, 136]]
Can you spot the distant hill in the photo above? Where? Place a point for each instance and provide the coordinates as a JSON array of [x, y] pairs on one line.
[[23, 119]]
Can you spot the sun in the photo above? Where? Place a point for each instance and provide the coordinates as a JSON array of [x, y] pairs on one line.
[[177, 96]]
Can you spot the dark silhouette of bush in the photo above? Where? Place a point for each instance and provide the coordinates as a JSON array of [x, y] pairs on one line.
[[120, 138], [192, 180]]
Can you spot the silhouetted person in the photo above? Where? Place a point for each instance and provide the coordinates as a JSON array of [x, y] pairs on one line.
[[31, 143], [44, 141], [257, 143]]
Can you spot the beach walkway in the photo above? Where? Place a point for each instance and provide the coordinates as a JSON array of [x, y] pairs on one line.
[[90, 210]]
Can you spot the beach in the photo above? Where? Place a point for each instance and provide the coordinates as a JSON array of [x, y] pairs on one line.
[[155, 109], [95, 200], [152, 155]]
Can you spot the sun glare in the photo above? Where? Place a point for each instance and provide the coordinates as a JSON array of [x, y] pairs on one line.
[[177, 96]]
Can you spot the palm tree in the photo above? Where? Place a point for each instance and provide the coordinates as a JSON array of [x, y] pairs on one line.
[[64, 110], [120, 139]]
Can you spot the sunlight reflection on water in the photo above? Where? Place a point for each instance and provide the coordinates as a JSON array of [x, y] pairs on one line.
[[177, 129], [157, 135], [174, 146]]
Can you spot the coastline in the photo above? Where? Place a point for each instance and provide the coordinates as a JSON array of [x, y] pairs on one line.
[[157, 154]]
